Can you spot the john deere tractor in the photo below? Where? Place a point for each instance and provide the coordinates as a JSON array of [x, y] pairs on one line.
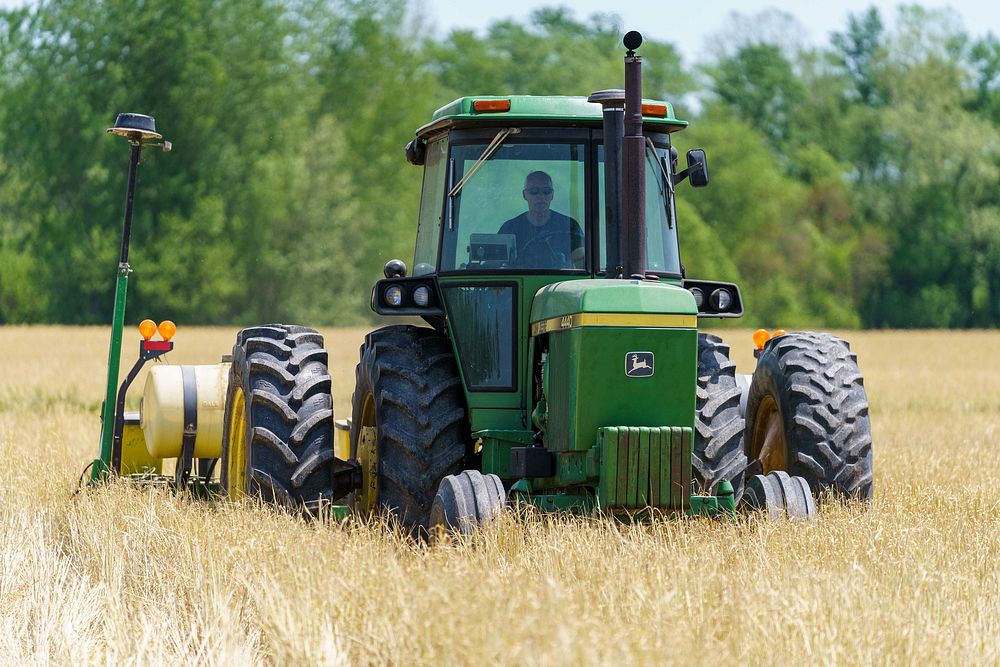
[[559, 361]]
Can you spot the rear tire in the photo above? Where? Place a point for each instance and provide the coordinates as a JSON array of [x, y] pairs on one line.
[[408, 389], [808, 387], [718, 438], [277, 439]]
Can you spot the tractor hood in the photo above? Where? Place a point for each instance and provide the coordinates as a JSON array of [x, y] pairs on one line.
[[555, 305]]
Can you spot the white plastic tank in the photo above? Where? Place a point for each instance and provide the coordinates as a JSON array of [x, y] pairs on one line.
[[162, 409]]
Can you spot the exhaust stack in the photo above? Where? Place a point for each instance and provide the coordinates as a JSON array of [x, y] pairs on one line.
[[633, 193]]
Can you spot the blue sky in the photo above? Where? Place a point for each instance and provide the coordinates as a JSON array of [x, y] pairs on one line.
[[688, 24]]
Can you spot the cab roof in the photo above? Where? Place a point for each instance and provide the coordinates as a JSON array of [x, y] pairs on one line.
[[543, 110]]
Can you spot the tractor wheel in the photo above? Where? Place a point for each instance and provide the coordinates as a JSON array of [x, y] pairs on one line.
[[807, 414], [466, 501], [409, 425], [780, 496], [718, 438], [277, 437]]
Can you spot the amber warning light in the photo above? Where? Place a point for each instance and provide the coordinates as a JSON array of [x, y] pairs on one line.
[[659, 110], [148, 328], [491, 106]]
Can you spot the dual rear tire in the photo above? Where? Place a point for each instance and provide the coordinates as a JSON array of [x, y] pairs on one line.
[[806, 414]]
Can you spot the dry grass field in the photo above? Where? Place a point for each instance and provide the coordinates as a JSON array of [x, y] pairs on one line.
[[120, 576]]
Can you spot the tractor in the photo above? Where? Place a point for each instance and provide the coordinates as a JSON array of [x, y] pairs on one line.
[[559, 362]]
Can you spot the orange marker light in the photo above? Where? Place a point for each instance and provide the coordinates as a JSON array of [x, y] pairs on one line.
[[167, 329], [658, 110], [491, 106], [760, 337], [778, 332], [147, 328]]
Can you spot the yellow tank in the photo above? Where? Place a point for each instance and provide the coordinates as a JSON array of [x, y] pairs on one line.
[[163, 402]]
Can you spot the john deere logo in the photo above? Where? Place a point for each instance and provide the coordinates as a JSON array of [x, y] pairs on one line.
[[639, 364]]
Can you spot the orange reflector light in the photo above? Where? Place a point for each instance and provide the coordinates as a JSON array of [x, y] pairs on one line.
[[778, 332], [760, 337], [659, 110], [147, 328], [491, 106], [167, 329]]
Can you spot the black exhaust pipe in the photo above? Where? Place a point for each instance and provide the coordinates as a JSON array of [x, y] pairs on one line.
[[633, 193]]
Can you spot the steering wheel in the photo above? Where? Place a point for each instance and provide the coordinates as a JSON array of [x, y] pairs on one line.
[[538, 253]]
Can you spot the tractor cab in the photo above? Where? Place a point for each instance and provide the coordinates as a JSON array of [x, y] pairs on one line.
[[517, 185]]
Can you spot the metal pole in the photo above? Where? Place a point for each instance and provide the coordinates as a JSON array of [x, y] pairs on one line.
[[633, 173], [103, 465]]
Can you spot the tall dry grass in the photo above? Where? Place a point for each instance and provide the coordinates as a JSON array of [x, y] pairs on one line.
[[137, 576]]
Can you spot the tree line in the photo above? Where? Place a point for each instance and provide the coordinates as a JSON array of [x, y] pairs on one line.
[[855, 183]]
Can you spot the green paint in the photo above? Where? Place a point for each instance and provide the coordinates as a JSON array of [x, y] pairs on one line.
[[575, 110], [563, 502], [611, 296], [644, 495], [102, 465], [587, 396], [607, 440], [720, 505], [495, 455], [509, 409], [636, 466], [340, 513]]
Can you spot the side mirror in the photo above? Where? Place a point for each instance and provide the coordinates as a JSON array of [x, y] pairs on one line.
[[697, 168], [416, 151]]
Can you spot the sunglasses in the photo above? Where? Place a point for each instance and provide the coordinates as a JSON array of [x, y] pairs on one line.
[[538, 191]]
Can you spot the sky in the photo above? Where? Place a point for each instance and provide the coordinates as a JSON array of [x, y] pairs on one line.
[[689, 25]]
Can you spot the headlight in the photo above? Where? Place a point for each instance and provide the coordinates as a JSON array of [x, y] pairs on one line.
[[422, 296], [699, 297], [721, 299], [394, 295]]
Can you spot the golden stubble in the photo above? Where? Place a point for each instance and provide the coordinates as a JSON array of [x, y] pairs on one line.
[[128, 576]]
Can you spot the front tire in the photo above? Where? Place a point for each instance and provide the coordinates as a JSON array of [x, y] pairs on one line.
[[277, 438], [466, 502], [409, 420], [807, 414]]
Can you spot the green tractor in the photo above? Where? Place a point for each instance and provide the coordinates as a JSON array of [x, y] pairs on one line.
[[560, 363]]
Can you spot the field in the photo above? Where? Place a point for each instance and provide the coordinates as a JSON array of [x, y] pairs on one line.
[[124, 576]]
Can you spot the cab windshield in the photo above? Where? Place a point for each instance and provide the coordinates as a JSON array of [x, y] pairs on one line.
[[525, 208], [537, 206]]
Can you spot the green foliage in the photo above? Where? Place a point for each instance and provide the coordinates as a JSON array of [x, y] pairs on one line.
[[852, 185], [760, 84]]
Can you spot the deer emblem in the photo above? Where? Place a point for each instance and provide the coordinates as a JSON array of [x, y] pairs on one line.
[[640, 364]]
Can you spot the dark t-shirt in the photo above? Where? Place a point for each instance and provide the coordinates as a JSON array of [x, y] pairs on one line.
[[546, 246]]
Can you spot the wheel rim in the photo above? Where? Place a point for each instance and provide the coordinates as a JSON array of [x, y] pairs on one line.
[[236, 463], [366, 498], [769, 436]]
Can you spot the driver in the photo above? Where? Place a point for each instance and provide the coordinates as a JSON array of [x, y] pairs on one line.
[[545, 238]]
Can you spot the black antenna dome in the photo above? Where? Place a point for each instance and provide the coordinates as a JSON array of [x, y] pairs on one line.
[[632, 40]]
